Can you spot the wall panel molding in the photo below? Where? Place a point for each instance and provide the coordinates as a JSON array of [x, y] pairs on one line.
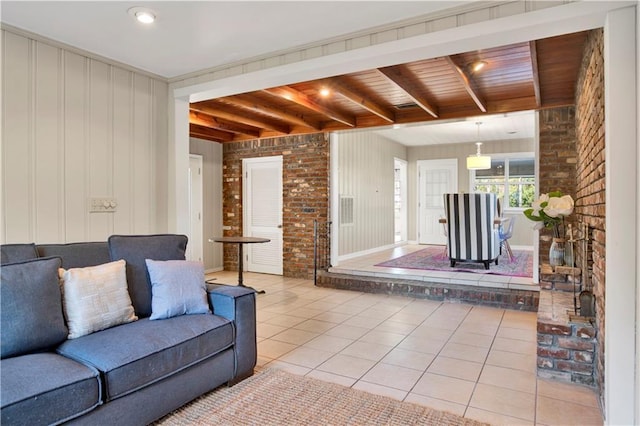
[[76, 128], [366, 173], [72, 49]]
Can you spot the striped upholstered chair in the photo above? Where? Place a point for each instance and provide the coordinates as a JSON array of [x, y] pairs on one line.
[[470, 225]]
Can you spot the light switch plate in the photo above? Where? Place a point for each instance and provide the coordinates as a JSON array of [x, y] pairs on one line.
[[103, 205]]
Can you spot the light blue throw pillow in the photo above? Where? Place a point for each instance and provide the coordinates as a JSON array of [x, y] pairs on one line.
[[177, 288]]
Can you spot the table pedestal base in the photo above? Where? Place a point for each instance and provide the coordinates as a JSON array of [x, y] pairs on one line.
[[241, 268], [240, 241]]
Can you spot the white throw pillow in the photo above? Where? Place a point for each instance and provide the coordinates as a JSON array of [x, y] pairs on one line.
[[177, 288], [95, 298]]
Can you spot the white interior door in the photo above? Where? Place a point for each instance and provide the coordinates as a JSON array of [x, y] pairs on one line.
[[194, 246], [262, 213], [435, 177]]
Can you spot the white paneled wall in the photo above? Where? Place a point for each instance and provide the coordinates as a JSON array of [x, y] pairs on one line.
[[76, 128], [365, 171]]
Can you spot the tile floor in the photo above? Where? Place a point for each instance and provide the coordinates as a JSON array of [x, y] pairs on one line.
[[474, 361]]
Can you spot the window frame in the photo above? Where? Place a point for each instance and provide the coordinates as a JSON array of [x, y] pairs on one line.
[[506, 157]]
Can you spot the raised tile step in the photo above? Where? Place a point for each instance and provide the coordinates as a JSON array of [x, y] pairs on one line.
[[495, 294]]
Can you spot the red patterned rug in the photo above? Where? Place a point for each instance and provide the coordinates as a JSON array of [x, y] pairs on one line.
[[433, 258]]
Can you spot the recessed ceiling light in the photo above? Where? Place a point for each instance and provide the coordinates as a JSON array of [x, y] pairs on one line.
[[478, 65], [142, 14], [324, 92]]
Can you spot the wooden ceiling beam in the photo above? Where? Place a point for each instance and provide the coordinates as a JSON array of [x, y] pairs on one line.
[[526, 103], [523, 76], [469, 84], [335, 85], [510, 105], [202, 119], [401, 77], [533, 51], [301, 99], [230, 116], [273, 112], [203, 132]]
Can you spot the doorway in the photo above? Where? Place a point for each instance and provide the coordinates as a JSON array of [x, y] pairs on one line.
[[194, 247], [262, 213], [435, 177]]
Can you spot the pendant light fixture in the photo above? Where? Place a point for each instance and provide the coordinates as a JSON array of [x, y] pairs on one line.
[[478, 161]]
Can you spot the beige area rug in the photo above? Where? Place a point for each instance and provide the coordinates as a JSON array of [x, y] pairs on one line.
[[275, 397]]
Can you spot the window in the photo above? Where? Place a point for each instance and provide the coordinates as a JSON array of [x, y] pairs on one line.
[[511, 177]]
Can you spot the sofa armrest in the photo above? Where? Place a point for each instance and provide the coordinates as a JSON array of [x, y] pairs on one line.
[[238, 305]]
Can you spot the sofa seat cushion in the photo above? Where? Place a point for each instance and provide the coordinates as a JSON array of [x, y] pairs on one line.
[[134, 355], [46, 388]]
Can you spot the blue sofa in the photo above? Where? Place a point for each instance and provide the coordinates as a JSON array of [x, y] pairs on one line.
[[128, 374]]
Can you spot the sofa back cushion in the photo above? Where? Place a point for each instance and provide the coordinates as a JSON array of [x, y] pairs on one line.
[[11, 253], [77, 255], [134, 249], [30, 307]]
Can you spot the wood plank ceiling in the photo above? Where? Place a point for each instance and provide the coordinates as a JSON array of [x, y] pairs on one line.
[[525, 76]]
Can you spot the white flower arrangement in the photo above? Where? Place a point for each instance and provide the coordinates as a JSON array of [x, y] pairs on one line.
[[549, 211]]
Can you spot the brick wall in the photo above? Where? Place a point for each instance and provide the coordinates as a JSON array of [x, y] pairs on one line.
[[557, 161], [572, 160], [590, 200], [566, 343], [305, 181]]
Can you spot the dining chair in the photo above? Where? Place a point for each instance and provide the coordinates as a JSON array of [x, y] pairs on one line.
[[472, 234], [505, 231], [445, 249]]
